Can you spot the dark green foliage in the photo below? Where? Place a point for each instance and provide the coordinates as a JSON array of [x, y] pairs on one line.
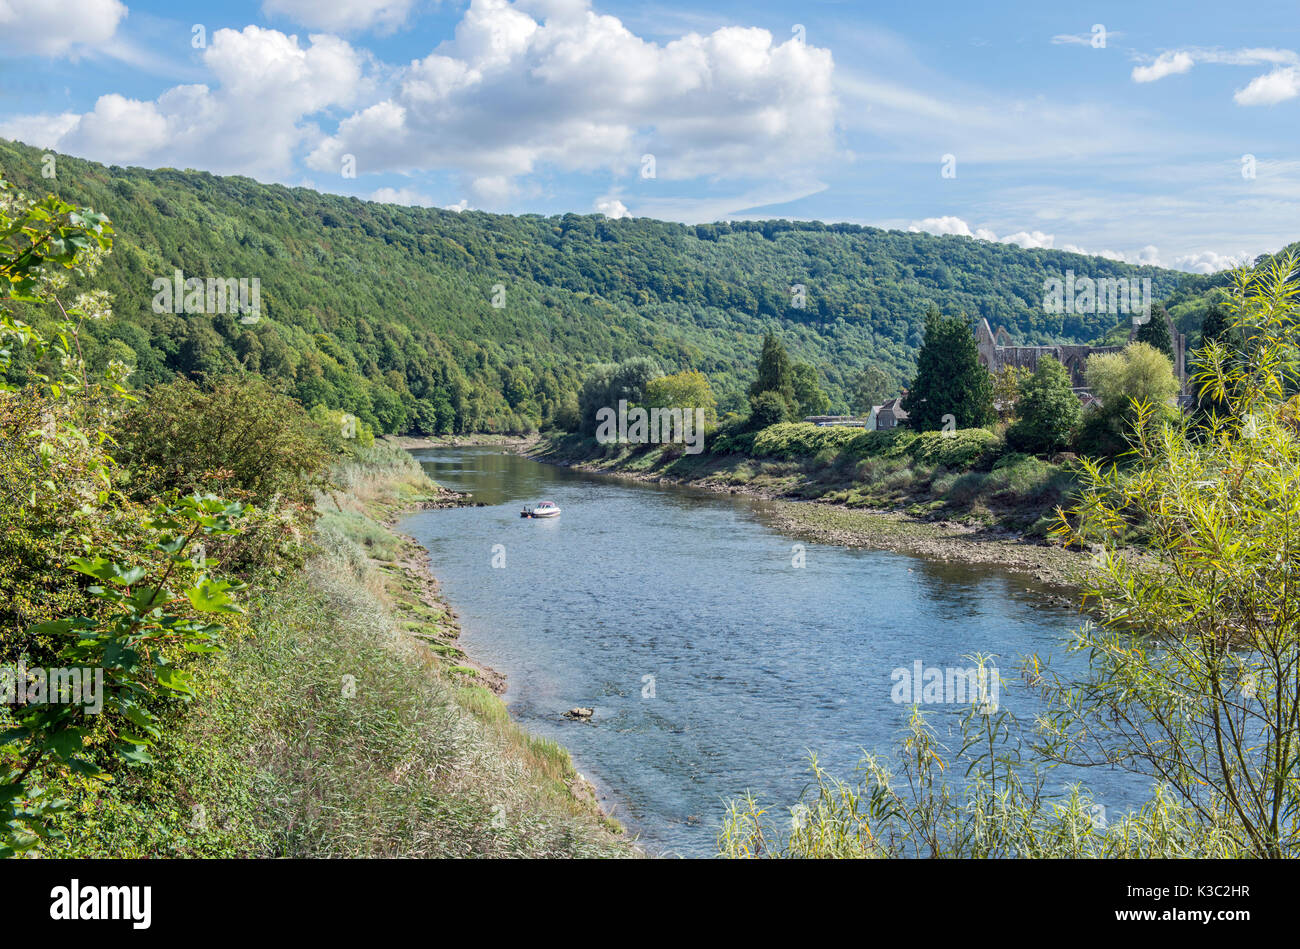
[[960, 449], [1048, 408], [1216, 326], [767, 408], [775, 373], [1155, 331], [238, 434], [809, 398], [869, 388], [367, 305], [949, 378], [609, 383]]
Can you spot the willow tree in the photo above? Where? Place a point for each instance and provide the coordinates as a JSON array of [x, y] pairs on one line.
[[1194, 659]]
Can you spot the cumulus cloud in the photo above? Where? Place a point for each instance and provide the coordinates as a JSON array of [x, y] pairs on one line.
[[342, 15], [406, 196], [58, 29], [1166, 64], [1030, 239], [251, 123], [42, 131], [1271, 88], [1278, 85], [611, 207], [950, 224], [1200, 262], [1208, 261], [552, 83]]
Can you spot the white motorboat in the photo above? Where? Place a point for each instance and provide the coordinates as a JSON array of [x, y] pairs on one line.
[[544, 509]]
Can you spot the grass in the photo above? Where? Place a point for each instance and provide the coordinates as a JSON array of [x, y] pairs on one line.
[[967, 479], [341, 721]]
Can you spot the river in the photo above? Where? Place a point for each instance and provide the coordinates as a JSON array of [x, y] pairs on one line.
[[714, 661]]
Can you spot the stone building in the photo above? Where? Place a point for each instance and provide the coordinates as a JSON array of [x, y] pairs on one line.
[[996, 352]]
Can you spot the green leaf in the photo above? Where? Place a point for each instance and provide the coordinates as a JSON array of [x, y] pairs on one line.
[[209, 596]]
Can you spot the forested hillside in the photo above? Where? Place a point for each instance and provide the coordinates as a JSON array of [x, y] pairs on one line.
[[388, 311]]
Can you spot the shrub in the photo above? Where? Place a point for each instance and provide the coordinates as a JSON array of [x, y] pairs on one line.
[[963, 448], [1048, 408], [801, 439], [237, 435], [765, 409]]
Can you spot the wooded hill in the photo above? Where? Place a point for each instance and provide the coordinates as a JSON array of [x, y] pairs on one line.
[[387, 311]]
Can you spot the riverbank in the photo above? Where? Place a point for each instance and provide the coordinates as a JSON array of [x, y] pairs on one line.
[[415, 443], [806, 501], [344, 720]]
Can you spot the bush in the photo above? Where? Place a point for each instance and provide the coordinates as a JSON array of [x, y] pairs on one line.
[[766, 409], [964, 448], [892, 443], [801, 439], [237, 436]]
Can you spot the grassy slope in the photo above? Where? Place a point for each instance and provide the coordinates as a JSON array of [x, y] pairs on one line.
[[275, 758], [1018, 493]]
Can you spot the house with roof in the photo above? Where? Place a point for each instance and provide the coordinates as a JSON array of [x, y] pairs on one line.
[[890, 415]]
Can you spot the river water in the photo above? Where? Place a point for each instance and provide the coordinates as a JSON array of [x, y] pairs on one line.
[[714, 663]]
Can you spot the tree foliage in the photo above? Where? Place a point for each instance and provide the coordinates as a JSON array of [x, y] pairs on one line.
[[390, 313], [1048, 410], [949, 378]]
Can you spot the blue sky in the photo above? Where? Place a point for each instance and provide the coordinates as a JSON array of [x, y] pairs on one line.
[[1159, 132]]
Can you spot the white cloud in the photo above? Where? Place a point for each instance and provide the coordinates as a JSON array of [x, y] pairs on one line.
[[251, 123], [1208, 261], [58, 29], [950, 224], [461, 205], [611, 207], [577, 91], [1166, 64], [943, 225], [343, 15], [492, 190], [1204, 262], [1278, 85], [406, 196], [1030, 239], [42, 131], [1084, 39], [1271, 88]]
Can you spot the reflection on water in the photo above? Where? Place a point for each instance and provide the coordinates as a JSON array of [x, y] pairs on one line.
[[713, 663]]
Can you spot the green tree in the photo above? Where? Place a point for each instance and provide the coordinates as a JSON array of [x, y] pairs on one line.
[[1048, 410], [809, 397], [869, 388], [1216, 325], [1194, 678], [1124, 382], [1137, 374], [610, 383], [949, 378], [151, 591], [775, 375], [766, 408], [1006, 390], [1155, 331], [687, 390]]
